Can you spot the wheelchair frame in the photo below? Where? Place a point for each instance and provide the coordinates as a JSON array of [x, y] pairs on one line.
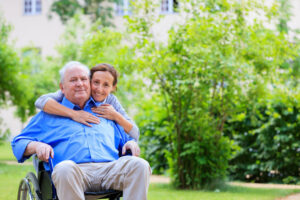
[[40, 187]]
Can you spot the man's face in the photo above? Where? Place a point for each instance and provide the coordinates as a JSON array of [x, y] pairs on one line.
[[76, 86]]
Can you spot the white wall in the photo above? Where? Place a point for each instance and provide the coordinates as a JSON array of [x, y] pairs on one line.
[[35, 30], [295, 20]]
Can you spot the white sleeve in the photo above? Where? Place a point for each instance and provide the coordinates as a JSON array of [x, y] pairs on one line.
[[42, 100], [134, 132]]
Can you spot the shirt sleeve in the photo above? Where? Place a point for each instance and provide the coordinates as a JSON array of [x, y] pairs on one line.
[[30, 133], [42, 100], [122, 137], [134, 132], [19, 146]]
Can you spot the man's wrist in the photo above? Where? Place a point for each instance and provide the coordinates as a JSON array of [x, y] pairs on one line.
[[31, 148]]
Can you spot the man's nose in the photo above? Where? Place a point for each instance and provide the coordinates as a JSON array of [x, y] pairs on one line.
[[79, 82]]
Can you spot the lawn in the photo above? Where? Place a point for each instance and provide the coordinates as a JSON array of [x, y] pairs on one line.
[[10, 176], [6, 152], [166, 192]]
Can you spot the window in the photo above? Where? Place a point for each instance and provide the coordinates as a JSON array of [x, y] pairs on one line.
[[32, 7], [168, 6], [123, 7]]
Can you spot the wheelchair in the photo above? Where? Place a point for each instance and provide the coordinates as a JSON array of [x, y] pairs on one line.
[[40, 186]]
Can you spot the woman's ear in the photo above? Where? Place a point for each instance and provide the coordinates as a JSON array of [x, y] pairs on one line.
[[114, 88]]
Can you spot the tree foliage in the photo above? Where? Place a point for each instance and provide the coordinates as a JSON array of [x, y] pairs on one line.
[[11, 77], [220, 59], [95, 9], [22, 77]]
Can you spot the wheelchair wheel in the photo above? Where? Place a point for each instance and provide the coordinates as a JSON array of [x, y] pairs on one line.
[[29, 188]]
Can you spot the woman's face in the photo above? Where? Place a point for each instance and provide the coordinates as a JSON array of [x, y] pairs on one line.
[[102, 85]]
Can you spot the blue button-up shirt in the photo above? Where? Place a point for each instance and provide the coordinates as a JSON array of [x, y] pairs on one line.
[[71, 140]]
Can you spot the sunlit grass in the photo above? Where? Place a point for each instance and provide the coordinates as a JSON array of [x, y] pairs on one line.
[[6, 152], [166, 192], [10, 177]]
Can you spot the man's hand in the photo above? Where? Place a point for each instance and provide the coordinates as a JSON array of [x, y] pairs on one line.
[[42, 150], [133, 146]]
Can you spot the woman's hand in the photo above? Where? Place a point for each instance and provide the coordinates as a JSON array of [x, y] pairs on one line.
[[106, 111], [84, 117]]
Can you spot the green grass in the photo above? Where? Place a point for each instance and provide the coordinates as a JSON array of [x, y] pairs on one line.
[[6, 152], [166, 192], [10, 177]]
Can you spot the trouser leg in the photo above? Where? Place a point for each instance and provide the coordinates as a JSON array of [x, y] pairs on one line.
[[130, 174], [69, 181]]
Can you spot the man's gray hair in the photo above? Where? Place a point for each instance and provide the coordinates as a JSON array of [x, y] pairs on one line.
[[72, 64]]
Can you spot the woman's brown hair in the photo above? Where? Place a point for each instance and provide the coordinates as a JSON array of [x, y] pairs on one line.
[[103, 67]]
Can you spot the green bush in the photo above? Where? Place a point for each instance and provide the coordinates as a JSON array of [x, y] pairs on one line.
[[269, 141]]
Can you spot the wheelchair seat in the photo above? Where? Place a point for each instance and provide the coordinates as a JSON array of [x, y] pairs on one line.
[[40, 187]]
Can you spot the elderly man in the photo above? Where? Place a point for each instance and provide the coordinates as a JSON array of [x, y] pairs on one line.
[[85, 158]]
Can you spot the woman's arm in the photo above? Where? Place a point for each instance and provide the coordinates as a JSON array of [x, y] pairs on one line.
[[108, 111], [117, 113], [48, 103], [42, 100]]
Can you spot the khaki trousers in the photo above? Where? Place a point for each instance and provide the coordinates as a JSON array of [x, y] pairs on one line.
[[129, 173]]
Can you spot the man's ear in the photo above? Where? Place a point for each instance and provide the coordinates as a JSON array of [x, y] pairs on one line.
[[61, 87]]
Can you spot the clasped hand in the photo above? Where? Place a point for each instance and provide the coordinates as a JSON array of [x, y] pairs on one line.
[[106, 111]]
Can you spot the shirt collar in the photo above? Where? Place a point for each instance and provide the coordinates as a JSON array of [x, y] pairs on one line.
[[99, 103], [72, 106]]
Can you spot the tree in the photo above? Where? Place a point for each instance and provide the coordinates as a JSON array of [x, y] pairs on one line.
[[21, 76], [215, 63], [11, 77], [97, 10]]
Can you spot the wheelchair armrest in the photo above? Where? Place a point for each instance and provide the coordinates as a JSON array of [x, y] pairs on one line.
[[127, 153]]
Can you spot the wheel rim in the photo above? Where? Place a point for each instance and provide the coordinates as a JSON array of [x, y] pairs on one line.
[[34, 187], [24, 192], [29, 188]]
